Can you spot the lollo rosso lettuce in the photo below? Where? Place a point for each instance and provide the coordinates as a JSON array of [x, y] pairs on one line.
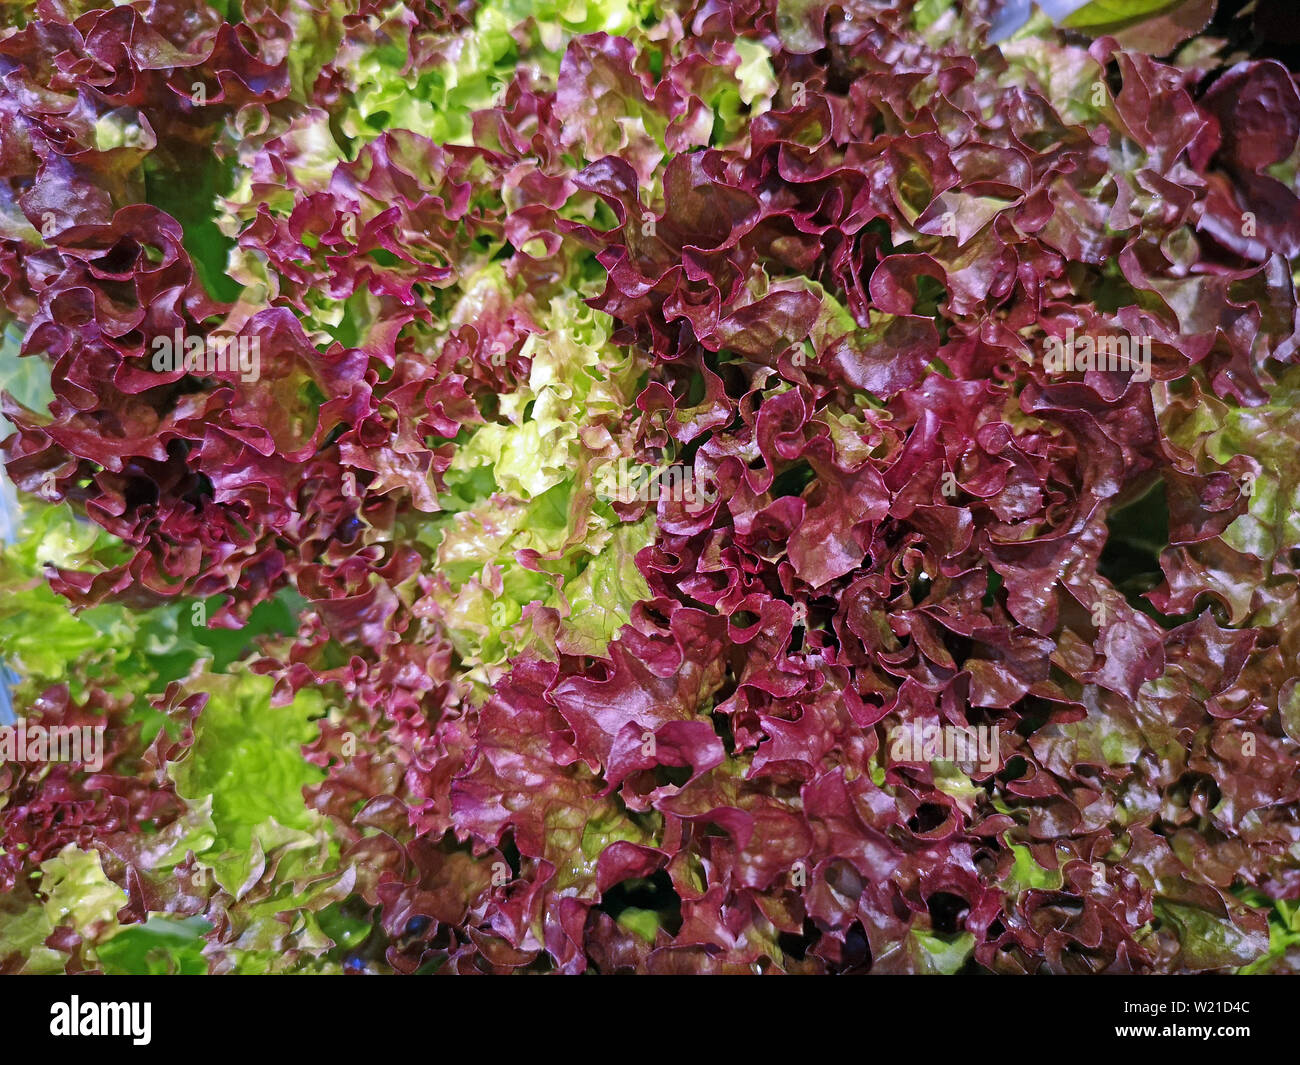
[[728, 487]]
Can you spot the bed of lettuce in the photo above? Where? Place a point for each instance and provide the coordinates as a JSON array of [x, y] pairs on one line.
[[390, 684]]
